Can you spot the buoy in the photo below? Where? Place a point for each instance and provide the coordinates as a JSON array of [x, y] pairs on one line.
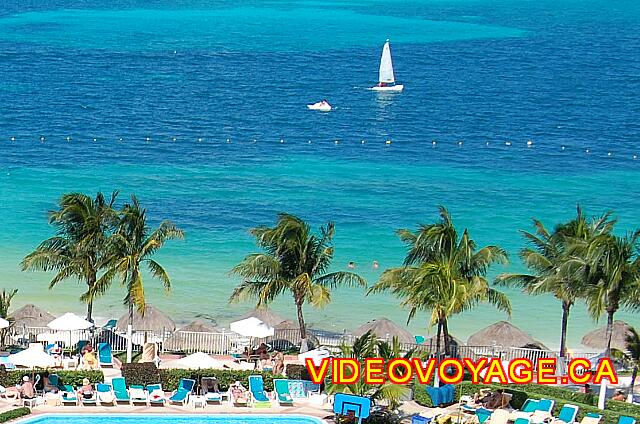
[[229, 140], [13, 139], [148, 139], [336, 142], [199, 140], [95, 139], [609, 154], [42, 139], [173, 139], [562, 147], [507, 143], [68, 138], [635, 157], [281, 141], [459, 143], [529, 143], [587, 151], [254, 140], [387, 142], [120, 139], [309, 142], [487, 144], [433, 143], [362, 142]]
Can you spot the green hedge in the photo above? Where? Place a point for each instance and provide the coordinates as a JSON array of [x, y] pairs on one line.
[[523, 392], [147, 373], [297, 372], [72, 378], [13, 414]]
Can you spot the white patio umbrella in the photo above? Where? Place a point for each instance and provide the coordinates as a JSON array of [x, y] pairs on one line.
[[251, 327], [3, 323], [316, 356], [32, 357], [70, 322], [198, 360]]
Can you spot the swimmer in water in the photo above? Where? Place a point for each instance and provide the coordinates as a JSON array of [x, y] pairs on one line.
[[375, 265], [351, 265]]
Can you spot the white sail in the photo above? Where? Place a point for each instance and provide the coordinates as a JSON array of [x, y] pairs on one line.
[[386, 66]]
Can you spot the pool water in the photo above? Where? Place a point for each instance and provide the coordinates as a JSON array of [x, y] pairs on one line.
[[172, 419]]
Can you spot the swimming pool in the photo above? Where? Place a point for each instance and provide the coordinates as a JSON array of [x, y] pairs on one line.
[[126, 418]]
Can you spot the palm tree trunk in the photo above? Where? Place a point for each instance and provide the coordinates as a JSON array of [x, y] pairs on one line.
[[609, 333], [91, 281], [566, 306], [438, 334], [445, 334], [303, 328]]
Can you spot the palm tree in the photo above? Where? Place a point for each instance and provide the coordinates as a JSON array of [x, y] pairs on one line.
[[443, 274], [546, 260], [631, 356], [6, 296], [78, 250], [294, 261], [132, 245], [612, 266], [369, 346]]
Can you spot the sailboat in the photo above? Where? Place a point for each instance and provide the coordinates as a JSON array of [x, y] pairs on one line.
[[387, 81]]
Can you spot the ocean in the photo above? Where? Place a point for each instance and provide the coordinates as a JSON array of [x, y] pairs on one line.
[[199, 108]]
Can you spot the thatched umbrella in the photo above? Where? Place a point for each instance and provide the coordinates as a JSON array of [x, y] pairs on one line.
[[385, 329], [153, 320], [31, 316], [263, 314], [503, 334], [597, 339], [192, 337]]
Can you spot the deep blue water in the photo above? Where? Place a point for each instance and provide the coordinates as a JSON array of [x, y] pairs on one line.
[[174, 419], [478, 74]]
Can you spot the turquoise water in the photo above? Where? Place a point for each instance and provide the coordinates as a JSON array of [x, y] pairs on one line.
[[562, 74], [173, 419]]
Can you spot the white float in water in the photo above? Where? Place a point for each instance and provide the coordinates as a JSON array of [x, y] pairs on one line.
[[199, 140], [529, 143], [459, 143], [281, 141], [587, 151], [562, 147], [507, 143], [120, 139], [609, 154], [13, 139], [635, 157], [148, 139], [388, 142], [433, 143], [336, 142], [309, 142], [95, 139], [68, 138], [486, 144], [362, 142], [42, 139], [173, 139]]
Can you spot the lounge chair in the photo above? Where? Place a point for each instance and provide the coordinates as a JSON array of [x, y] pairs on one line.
[[281, 387], [105, 394], [626, 420], [185, 388], [258, 395], [156, 395], [105, 356], [138, 395], [522, 420], [110, 325], [483, 415], [90, 401], [210, 390], [567, 415], [120, 390], [591, 418], [54, 381], [541, 408], [499, 416], [68, 396], [238, 401]]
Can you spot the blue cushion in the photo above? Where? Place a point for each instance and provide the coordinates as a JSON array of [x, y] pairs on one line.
[[530, 406], [626, 420], [545, 405], [434, 394], [417, 419]]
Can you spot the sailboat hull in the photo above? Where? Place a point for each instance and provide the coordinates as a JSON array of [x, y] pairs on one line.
[[389, 88]]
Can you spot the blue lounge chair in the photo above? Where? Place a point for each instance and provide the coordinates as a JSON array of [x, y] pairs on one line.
[[110, 325], [185, 388], [419, 339], [105, 394], [258, 395], [105, 356], [281, 387], [545, 405], [155, 394], [483, 415], [626, 420], [529, 406], [522, 420], [568, 414], [120, 390], [68, 396]]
